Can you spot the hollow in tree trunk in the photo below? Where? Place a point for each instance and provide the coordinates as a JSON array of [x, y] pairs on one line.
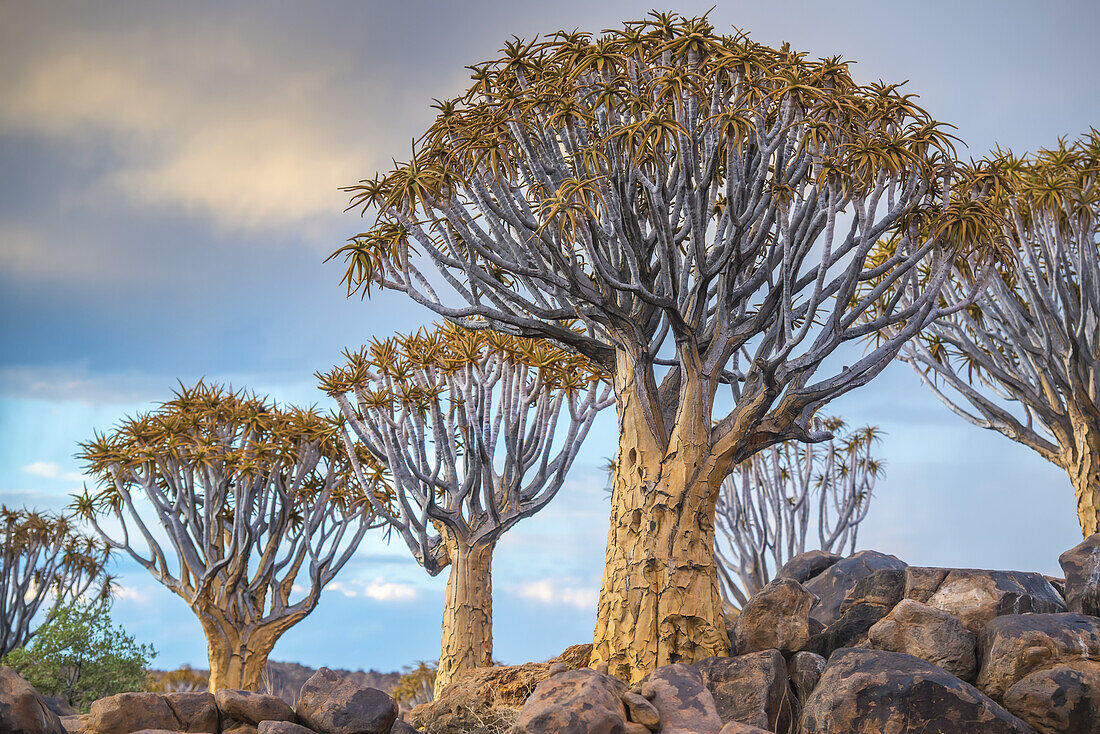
[[237, 660], [1083, 465], [660, 600], [467, 612]]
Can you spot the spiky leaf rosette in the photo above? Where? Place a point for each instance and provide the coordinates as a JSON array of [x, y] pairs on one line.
[[476, 429], [255, 501], [662, 184], [1024, 358], [44, 557]]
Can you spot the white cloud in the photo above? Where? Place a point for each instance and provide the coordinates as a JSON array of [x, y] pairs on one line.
[[379, 589], [131, 594], [202, 121], [560, 591], [52, 470]]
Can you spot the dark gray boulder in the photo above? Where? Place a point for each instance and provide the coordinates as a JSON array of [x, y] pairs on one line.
[[1081, 565], [1015, 646], [331, 705], [832, 585], [805, 566], [875, 691]]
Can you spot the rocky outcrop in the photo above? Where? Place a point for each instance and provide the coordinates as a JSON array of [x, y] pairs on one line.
[[483, 695], [804, 671], [252, 708], [876, 691], [331, 705], [284, 727], [751, 689], [22, 709], [776, 618], [1018, 645], [679, 695], [575, 702], [832, 585], [805, 566], [1064, 699], [1081, 565], [976, 596], [930, 634], [131, 712]]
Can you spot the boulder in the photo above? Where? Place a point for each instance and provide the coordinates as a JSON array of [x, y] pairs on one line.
[[678, 693], [930, 634], [492, 694], [832, 585], [59, 705], [736, 727], [196, 711], [876, 691], [1081, 564], [125, 713], [641, 711], [399, 727], [776, 618], [272, 726], [252, 707], [805, 566], [1060, 700], [921, 582], [805, 670], [976, 596], [1017, 645], [574, 702], [751, 689], [331, 705], [232, 726], [575, 656], [22, 709], [76, 724]]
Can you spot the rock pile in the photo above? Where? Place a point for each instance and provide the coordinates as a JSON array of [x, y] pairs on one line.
[[328, 704], [870, 644], [858, 644]]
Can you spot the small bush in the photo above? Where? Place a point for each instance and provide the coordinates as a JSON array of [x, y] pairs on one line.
[[80, 655]]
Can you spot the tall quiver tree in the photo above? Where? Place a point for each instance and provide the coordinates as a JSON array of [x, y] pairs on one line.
[[704, 207], [252, 501], [477, 431], [44, 558], [1024, 360], [771, 502]]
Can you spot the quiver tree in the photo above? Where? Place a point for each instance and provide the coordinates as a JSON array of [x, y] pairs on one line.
[[770, 503], [43, 557], [235, 504], [1024, 360], [476, 431], [703, 208]]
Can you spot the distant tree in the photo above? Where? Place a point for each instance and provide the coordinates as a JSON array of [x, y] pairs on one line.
[[43, 557], [703, 208], [1024, 360], [255, 502], [476, 430], [416, 685], [80, 655], [769, 504]]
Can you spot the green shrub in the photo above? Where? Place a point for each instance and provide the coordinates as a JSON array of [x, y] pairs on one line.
[[80, 655]]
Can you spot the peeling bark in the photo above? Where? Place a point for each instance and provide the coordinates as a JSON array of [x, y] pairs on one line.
[[660, 600], [467, 613], [1083, 467]]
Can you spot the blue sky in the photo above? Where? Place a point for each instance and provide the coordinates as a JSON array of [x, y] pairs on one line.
[[171, 189]]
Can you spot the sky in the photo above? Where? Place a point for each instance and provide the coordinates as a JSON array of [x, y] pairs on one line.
[[171, 187]]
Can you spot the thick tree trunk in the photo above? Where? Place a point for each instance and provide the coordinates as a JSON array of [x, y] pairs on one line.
[[236, 661], [467, 613], [660, 602], [1083, 466]]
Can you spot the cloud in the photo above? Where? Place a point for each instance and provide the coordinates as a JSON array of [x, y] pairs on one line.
[[131, 594], [202, 121], [51, 470], [379, 589], [560, 592]]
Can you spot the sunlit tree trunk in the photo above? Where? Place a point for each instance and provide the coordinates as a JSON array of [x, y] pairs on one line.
[[660, 601], [237, 656], [1083, 466], [467, 613]]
